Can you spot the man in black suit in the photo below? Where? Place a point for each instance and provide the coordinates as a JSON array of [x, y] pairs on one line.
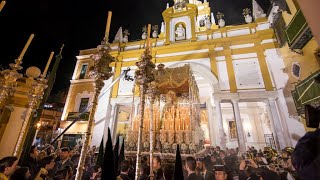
[[65, 159], [124, 170], [158, 171], [191, 168], [206, 173]]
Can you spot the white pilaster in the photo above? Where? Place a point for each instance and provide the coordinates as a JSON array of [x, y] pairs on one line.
[[276, 123], [222, 137], [240, 133], [211, 124]]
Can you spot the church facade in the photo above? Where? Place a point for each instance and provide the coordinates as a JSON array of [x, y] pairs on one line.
[[238, 71]]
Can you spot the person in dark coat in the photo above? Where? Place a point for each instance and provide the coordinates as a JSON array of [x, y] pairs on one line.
[[144, 172], [65, 159], [31, 161], [124, 170], [158, 171], [191, 168], [22, 173], [306, 156], [206, 172]]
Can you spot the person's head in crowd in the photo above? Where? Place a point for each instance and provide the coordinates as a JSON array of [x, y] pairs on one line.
[[191, 164], [260, 159], [200, 163], [222, 154], [124, 168], [64, 154], [205, 164], [220, 172], [249, 171], [156, 162], [145, 160], [22, 173], [34, 152], [232, 151], [285, 154], [47, 163], [218, 148], [42, 155], [213, 158], [8, 165]]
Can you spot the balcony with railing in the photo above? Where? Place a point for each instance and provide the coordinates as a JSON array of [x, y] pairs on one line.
[[298, 32]]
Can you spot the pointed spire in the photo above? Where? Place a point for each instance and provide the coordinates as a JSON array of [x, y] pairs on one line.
[[99, 161], [257, 11], [178, 172], [119, 36], [108, 171], [116, 155]]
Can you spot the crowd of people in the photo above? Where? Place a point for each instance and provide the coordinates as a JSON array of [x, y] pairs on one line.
[[214, 163]]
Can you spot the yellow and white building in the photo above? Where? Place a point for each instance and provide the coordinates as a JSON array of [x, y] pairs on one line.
[[239, 71]]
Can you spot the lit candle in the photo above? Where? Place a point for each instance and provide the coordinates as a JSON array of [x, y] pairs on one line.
[[108, 25], [26, 46], [2, 5], [48, 64], [148, 37]]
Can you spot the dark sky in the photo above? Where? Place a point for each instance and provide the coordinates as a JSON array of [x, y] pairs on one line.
[[80, 25]]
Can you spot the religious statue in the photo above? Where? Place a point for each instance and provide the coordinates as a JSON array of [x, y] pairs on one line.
[[233, 129], [180, 32]]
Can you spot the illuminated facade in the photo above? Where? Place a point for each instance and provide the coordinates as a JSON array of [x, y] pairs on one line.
[[238, 71]]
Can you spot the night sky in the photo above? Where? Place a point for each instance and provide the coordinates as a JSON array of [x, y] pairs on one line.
[[81, 25]]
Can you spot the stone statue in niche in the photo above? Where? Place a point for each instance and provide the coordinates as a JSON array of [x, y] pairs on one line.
[[180, 32]]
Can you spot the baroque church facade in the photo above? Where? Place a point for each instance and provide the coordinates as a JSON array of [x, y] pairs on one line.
[[238, 71]]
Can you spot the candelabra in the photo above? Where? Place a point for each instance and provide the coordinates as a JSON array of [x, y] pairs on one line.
[[35, 96], [10, 76], [152, 92], [100, 71], [143, 75]]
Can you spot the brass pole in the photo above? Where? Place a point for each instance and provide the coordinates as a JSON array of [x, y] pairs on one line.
[[143, 75], [101, 71], [141, 108], [152, 93], [98, 85]]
